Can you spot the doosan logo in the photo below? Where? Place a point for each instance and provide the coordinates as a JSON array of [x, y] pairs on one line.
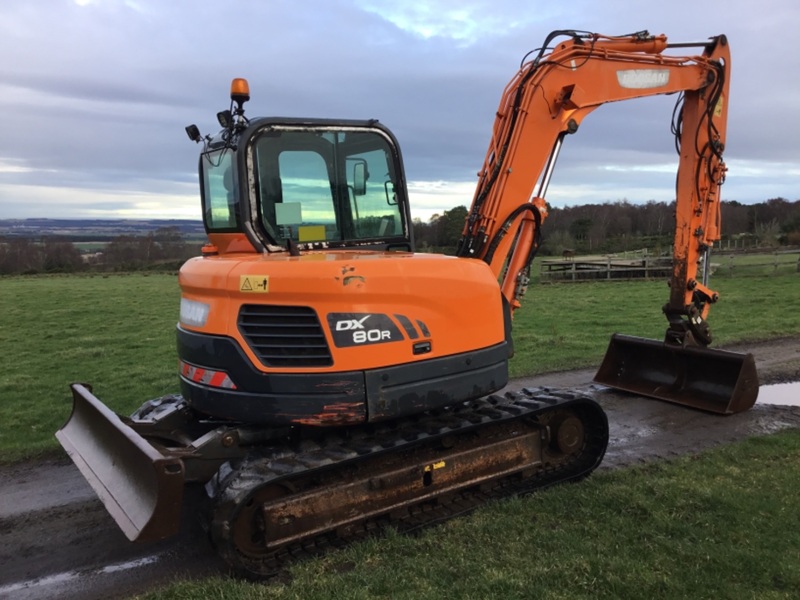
[[642, 79]]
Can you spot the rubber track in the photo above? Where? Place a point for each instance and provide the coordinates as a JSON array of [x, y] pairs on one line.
[[231, 488]]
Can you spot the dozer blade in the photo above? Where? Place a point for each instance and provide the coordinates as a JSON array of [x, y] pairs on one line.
[[140, 488], [716, 381]]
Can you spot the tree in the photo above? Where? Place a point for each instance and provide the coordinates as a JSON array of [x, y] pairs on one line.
[[453, 226], [170, 242], [60, 256], [580, 228], [129, 252], [20, 255], [767, 233], [442, 231]]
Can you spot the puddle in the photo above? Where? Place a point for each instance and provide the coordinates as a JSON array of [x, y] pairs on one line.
[[784, 394]]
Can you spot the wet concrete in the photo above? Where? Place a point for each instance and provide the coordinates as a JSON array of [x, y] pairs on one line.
[[642, 430]]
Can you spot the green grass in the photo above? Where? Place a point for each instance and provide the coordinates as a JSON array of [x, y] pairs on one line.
[[117, 333], [90, 246], [566, 326], [723, 524]]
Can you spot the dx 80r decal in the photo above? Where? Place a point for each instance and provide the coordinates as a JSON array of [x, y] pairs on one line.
[[360, 329]]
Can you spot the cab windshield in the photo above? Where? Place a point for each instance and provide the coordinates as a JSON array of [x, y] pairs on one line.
[[323, 185]]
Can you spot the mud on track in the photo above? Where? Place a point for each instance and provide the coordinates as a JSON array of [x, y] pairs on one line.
[[57, 541]]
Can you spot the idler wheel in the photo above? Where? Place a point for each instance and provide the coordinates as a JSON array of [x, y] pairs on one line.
[[567, 434]]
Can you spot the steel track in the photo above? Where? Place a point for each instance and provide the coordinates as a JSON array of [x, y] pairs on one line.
[[243, 493]]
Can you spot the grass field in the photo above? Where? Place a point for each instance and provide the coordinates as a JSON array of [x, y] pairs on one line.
[[117, 333], [566, 326], [721, 525]]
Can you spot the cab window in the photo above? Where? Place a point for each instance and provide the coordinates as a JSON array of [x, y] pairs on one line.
[[219, 191], [327, 185]]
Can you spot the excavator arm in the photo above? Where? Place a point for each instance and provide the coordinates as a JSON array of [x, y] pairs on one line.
[[547, 100]]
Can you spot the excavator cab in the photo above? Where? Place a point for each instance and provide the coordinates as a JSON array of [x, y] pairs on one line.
[[290, 184]]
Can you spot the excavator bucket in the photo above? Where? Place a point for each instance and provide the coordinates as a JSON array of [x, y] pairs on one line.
[[716, 381], [140, 488]]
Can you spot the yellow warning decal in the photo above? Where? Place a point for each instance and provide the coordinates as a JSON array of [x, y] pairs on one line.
[[254, 284], [718, 107], [434, 466]]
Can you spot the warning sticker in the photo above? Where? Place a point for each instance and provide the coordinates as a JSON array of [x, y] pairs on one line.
[[254, 284], [311, 233]]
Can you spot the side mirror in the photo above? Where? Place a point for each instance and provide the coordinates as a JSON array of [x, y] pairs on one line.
[[360, 176]]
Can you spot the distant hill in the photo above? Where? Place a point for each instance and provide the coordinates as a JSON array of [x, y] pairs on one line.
[[95, 229]]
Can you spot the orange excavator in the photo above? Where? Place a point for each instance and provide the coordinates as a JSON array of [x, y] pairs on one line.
[[334, 381]]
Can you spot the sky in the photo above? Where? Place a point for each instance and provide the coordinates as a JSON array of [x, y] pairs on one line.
[[95, 94]]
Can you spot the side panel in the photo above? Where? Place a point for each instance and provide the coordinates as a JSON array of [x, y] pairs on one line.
[[373, 310], [331, 399], [411, 389]]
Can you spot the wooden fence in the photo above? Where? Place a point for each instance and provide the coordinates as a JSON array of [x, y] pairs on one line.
[[778, 262], [652, 267], [584, 269]]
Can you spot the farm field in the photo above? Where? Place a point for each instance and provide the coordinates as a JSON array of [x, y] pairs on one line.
[[116, 332]]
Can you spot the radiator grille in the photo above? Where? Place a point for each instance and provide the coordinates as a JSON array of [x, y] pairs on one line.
[[285, 336]]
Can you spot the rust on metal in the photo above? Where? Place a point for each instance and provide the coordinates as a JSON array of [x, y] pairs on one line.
[[444, 465], [340, 413], [351, 279], [395, 483]]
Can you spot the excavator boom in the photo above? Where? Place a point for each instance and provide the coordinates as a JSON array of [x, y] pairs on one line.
[[545, 102]]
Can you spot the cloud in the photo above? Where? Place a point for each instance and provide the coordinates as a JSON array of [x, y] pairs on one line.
[[98, 93], [464, 22]]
